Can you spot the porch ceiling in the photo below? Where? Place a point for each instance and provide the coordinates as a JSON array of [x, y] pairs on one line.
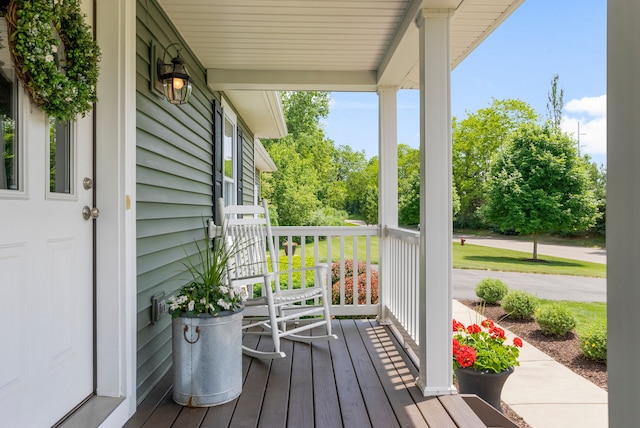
[[335, 45]]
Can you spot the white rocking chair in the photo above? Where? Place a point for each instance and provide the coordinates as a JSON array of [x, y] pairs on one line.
[[248, 231]]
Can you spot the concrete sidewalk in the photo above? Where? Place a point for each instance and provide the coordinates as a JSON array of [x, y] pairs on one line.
[[544, 392]]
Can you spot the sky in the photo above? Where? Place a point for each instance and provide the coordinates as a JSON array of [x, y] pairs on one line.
[[517, 61]]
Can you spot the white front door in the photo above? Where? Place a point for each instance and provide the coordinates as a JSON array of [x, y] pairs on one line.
[[46, 261]]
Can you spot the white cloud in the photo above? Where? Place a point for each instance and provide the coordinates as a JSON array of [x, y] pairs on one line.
[[592, 106], [589, 115]]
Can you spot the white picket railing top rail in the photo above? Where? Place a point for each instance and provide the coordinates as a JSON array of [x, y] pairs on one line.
[[325, 230], [408, 235]]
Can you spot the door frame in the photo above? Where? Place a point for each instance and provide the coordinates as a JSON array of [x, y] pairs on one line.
[[115, 130]]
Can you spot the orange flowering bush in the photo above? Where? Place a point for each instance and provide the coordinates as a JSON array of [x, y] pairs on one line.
[[483, 347]]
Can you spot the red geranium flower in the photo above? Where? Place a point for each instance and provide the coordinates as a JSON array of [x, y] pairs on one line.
[[474, 328], [497, 332], [466, 356], [517, 341]]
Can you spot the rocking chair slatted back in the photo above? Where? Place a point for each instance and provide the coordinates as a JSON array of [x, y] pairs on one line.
[[248, 232]]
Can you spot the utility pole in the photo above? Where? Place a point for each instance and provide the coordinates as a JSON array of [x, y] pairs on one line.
[[579, 134]]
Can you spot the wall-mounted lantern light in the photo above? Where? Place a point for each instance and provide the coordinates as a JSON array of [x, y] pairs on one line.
[[174, 77]]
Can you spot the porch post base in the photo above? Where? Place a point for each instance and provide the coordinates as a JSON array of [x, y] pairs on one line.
[[434, 391]]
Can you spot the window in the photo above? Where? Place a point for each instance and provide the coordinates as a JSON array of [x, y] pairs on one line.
[[229, 154], [10, 150], [60, 157]]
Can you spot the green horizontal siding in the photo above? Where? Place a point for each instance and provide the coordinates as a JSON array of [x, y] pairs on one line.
[[174, 189], [174, 158]]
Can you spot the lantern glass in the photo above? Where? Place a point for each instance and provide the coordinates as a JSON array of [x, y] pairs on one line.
[[175, 81]]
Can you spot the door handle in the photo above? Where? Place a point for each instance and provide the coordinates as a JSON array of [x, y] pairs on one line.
[[88, 213]]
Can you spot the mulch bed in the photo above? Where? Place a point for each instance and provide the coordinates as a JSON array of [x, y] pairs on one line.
[[564, 350]]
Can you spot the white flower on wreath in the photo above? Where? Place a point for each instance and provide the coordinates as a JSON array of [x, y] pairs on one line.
[[54, 48], [48, 58]]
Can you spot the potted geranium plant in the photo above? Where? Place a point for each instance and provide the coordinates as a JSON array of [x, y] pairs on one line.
[[483, 359], [207, 328]]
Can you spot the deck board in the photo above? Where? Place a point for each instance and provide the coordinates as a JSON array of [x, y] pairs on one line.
[[325, 394], [378, 405], [276, 400], [363, 379], [352, 407], [399, 398]]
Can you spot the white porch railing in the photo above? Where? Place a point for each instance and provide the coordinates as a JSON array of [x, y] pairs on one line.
[[338, 246], [402, 296], [343, 245]]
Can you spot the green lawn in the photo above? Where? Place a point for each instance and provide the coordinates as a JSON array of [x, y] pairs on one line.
[[471, 256]]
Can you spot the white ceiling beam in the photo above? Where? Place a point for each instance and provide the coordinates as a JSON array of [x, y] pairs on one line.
[[291, 80], [407, 23]]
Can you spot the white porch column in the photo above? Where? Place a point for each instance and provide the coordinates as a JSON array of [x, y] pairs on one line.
[[387, 185], [623, 211], [435, 211]]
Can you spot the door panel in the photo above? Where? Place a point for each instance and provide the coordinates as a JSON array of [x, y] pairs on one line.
[[46, 274]]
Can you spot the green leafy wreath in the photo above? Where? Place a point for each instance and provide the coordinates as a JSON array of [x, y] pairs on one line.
[[54, 55]]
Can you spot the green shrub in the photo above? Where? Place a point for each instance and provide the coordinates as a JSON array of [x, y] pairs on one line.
[[491, 290], [555, 320], [519, 305], [593, 341]]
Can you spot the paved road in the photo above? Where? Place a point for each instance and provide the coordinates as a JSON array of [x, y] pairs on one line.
[[553, 287]]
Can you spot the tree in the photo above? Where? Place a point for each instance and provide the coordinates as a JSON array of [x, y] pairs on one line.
[[361, 186], [539, 184], [292, 188], [555, 103], [598, 178], [303, 111], [302, 184], [344, 163], [409, 187], [475, 140]]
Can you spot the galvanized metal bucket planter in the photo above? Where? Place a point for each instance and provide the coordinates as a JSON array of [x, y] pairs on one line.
[[207, 359]]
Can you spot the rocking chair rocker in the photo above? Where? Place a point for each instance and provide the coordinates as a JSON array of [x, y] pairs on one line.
[[248, 231]]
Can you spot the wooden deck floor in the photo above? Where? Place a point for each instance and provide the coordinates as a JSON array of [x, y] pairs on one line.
[[363, 379]]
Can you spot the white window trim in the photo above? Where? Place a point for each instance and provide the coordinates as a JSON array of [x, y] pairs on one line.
[[231, 115]]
